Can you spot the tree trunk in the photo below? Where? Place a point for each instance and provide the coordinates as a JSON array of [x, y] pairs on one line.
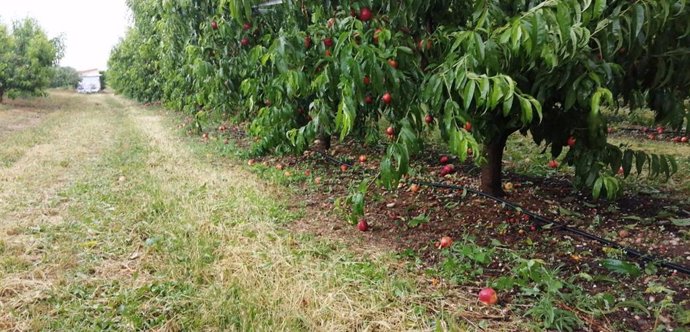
[[491, 172], [2, 93], [324, 142]]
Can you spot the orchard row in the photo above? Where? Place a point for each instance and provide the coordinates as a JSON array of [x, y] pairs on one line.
[[400, 71]]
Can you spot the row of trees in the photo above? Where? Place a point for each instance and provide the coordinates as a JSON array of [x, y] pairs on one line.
[[27, 59], [395, 71]]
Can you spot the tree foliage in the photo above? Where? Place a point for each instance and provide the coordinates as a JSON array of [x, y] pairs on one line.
[[65, 77], [27, 59], [480, 70]]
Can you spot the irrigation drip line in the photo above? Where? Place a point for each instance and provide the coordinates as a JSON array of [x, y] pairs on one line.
[[558, 226], [542, 221]]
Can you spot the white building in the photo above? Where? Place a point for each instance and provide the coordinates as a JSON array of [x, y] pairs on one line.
[[90, 81]]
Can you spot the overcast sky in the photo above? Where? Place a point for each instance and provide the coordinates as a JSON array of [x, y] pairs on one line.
[[90, 27]]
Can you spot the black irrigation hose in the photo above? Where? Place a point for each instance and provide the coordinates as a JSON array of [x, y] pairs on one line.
[[558, 226], [544, 221]]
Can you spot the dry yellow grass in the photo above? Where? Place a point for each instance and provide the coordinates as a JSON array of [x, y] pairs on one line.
[[110, 221]]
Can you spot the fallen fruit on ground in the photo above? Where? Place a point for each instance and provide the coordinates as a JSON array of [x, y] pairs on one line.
[[414, 187], [488, 296], [446, 242], [443, 159], [553, 164], [343, 168], [362, 225], [362, 158]]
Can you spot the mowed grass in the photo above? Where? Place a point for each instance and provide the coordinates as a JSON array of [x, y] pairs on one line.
[[110, 222]]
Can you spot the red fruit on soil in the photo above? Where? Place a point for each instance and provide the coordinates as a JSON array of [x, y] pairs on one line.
[[387, 98], [307, 42], [571, 141], [245, 41], [651, 136], [443, 160], [279, 167], [683, 139], [414, 188], [446, 242], [368, 100], [393, 63], [428, 119], [362, 225], [488, 296], [676, 139], [448, 169], [553, 164], [343, 168], [328, 53], [659, 130], [246, 26], [525, 217], [214, 25], [468, 126], [362, 159], [328, 42], [365, 14], [621, 171], [250, 162], [307, 173], [366, 80], [390, 131], [533, 228]]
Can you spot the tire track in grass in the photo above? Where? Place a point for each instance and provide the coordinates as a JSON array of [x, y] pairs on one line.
[[30, 200]]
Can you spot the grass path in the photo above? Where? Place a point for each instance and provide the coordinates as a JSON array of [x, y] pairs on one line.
[[111, 221]]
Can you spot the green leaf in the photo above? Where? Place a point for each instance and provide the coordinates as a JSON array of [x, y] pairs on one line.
[[621, 267], [638, 19], [596, 190], [681, 222], [418, 220], [526, 107], [598, 9], [468, 94]]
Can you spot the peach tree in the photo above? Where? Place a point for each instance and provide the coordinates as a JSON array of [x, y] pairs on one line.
[[27, 59], [396, 71]]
